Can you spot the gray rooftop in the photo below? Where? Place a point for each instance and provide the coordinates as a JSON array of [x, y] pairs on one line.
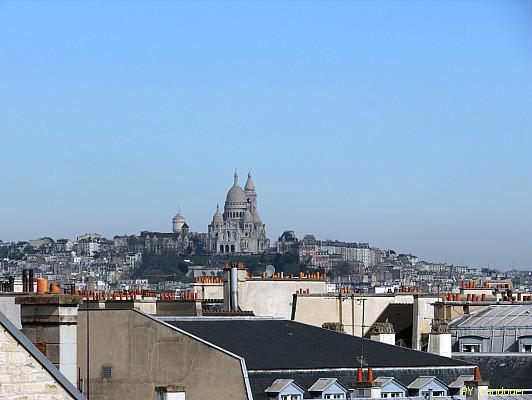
[[321, 384], [384, 380], [278, 385], [422, 381], [511, 397], [497, 316], [460, 381]]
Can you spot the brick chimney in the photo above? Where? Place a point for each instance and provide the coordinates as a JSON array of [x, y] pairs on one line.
[[50, 321], [366, 388], [477, 389]]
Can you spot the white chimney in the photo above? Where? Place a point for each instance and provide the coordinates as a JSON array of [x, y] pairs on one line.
[[170, 392], [382, 332], [440, 339], [234, 288]]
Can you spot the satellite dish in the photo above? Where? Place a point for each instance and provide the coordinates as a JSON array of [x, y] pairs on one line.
[[270, 270]]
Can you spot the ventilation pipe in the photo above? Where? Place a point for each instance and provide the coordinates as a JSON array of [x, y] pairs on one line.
[[234, 287], [25, 280], [30, 281]]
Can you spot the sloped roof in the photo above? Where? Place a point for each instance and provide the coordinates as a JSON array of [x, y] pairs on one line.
[[423, 381], [497, 316], [273, 344], [41, 359], [460, 381], [323, 383], [260, 380], [502, 369], [384, 380], [280, 384]]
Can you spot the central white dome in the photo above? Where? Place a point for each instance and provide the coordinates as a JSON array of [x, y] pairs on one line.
[[236, 195]]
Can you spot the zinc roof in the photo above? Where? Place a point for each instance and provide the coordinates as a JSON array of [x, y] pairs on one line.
[[497, 316]]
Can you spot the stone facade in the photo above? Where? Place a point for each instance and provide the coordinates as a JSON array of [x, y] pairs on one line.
[[22, 377], [239, 229], [162, 242], [323, 253]]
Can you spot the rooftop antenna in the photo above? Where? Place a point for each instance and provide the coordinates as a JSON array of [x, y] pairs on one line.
[[361, 359]]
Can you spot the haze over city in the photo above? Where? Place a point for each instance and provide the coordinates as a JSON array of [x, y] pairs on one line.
[[405, 125]]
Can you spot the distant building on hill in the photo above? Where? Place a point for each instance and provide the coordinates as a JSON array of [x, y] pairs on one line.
[[239, 229]]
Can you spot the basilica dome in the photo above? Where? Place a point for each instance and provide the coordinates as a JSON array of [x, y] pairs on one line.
[[236, 193]]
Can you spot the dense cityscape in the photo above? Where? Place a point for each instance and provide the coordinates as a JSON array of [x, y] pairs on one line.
[[171, 260], [355, 180]]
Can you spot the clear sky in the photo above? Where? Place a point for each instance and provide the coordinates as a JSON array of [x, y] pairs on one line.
[[404, 124]]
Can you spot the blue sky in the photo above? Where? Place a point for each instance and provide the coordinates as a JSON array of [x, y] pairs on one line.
[[404, 124]]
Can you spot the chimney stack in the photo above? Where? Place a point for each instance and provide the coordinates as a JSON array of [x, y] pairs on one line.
[[440, 339], [370, 374], [477, 389], [366, 389], [382, 332], [234, 287], [30, 281], [170, 392], [25, 280], [49, 321]]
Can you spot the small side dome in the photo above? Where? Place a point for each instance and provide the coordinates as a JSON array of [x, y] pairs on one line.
[[217, 217], [256, 216], [177, 223]]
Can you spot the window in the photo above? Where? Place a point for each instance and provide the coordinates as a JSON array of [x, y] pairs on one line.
[[334, 396], [290, 397], [471, 347], [435, 393], [525, 344]]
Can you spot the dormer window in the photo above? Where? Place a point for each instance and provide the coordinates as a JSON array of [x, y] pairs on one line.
[[334, 396], [525, 344], [291, 397]]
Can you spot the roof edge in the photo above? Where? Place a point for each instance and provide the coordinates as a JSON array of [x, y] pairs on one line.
[[243, 366]]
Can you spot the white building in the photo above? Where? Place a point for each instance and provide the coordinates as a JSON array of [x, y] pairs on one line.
[[239, 229]]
